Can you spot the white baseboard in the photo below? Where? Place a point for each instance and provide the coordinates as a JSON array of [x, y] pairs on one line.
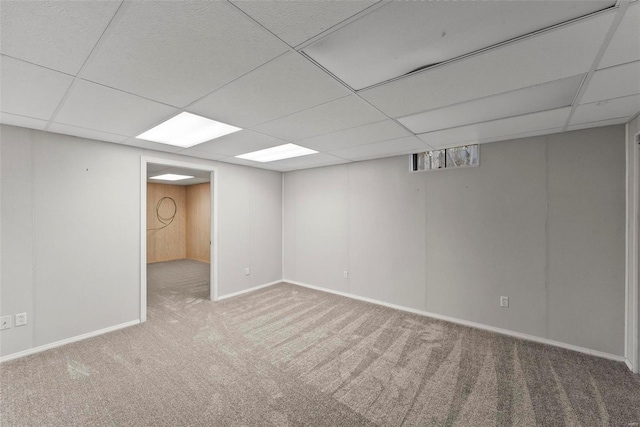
[[629, 365], [469, 323], [65, 341], [244, 291]]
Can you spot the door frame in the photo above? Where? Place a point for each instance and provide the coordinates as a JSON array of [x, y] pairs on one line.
[[213, 261]]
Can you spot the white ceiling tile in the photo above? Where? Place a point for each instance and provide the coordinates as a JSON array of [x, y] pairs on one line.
[[613, 82], [625, 43], [600, 123], [563, 52], [605, 110], [366, 134], [244, 162], [97, 107], [310, 161], [22, 121], [177, 52], [546, 96], [202, 154], [55, 34], [244, 141], [150, 145], [341, 114], [519, 135], [86, 133], [281, 87], [404, 36], [30, 90], [376, 150], [297, 21], [511, 126]]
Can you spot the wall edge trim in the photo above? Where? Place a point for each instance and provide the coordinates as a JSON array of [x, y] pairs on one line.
[[469, 323], [244, 291], [66, 341]]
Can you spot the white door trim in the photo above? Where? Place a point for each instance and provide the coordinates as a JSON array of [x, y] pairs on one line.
[[214, 177]]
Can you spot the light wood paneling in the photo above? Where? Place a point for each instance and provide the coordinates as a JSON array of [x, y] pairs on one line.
[[170, 242], [198, 203]]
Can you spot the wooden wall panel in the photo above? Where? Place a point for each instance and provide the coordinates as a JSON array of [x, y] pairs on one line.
[[168, 243], [198, 202]]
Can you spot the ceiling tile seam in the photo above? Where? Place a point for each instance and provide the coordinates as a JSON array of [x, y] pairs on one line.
[[89, 129], [493, 47], [597, 121], [605, 44], [376, 142], [116, 17], [22, 115], [191, 104], [36, 65], [496, 119], [618, 65], [491, 121], [380, 4], [492, 96], [609, 99]]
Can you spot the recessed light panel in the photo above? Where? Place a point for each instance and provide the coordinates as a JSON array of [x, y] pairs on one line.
[[187, 130], [170, 177], [280, 152]]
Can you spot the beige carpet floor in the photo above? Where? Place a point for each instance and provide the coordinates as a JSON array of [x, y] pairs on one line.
[[286, 355]]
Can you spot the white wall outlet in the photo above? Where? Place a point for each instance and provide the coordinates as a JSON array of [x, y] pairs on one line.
[[247, 271], [5, 322], [504, 302], [345, 274], [21, 319]]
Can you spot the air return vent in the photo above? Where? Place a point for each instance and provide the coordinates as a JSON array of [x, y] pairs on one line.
[[446, 158]]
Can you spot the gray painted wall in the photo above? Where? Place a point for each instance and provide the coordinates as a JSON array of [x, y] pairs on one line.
[[70, 221], [542, 220]]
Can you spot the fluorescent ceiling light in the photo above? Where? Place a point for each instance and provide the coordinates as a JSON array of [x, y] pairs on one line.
[[187, 130], [171, 177], [280, 152]]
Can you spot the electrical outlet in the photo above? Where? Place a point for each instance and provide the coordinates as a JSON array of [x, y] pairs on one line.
[[345, 274], [504, 302], [21, 319], [247, 271], [5, 322]]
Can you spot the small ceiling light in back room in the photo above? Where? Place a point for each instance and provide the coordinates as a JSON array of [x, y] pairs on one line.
[[280, 152], [170, 177], [186, 130]]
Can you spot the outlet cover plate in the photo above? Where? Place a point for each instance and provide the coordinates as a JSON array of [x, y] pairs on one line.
[[21, 319], [5, 323]]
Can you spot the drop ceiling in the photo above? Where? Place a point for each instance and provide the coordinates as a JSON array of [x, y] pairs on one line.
[[353, 80]]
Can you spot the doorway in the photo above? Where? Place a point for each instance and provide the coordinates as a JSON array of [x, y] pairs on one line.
[[178, 233]]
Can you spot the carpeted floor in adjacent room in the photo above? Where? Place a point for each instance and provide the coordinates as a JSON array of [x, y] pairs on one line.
[[286, 355]]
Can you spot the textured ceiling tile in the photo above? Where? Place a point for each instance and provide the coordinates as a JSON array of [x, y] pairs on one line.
[[54, 34], [605, 110], [241, 142], [297, 21], [366, 134], [176, 52], [310, 161], [625, 44], [614, 82], [599, 123], [394, 147], [22, 121], [281, 87], [563, 52], [244, 162], [100, 108], [202, 154], [30, 90], [341, 114], [86, 133], [511, 126], [150, 145]]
